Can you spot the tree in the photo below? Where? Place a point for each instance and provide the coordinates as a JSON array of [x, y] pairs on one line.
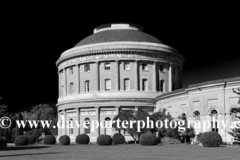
[[3, 108], [136, 116], [164, 131], [235, 132]]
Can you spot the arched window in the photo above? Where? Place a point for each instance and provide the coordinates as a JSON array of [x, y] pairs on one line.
[[183, 116], [87, 68], [87, 129], [161, 68], [214, 117], [162, 86], [71, 127], [145, 85], [87, 86], [196, 116], [108, 127], [234, 112], [127, 84], [107, 84]]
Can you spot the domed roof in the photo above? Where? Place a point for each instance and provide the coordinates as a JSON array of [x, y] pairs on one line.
[[118, 33]]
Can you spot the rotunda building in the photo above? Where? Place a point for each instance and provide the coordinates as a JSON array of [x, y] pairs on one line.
[[117, 68]]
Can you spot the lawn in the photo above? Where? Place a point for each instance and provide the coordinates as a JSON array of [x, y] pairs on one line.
[[120, 152]]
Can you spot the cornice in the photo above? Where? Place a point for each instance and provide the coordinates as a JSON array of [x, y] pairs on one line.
[[146, 53]]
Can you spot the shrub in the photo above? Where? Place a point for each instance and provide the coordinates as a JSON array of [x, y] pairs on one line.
[[148, 139], [49, 139], [21, 140], [3, 142], [168, 140], [64, 140], [211, 139], [104, 140], [31, 139], [82, 139], [118, 138]]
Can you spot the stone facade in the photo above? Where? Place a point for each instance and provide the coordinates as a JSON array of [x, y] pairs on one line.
[[97, 81], [204, 98]]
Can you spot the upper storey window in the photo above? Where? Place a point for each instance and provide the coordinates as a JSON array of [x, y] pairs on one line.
[[71, 90], [127, 66], [161, 68], [70, 71], [87, 68], [127, 84], [145, 85], [144, 67], [107, 85], [107, 66], [87, 86]]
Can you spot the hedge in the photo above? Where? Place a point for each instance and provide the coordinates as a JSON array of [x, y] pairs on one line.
[[82, 139], [21, 140], [31, 139], [148, 139], [64, 140], [104, 140], [49, 139], [118, 138], [210, 139]]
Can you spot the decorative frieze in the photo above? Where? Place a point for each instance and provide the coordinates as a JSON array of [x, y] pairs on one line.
[[108, 112], [70, 114], [84, 113], [141, 55]]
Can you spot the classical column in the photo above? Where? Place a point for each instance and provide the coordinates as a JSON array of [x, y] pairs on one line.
[[78, 120], [59, 128], [117, 76], [136, 75], [117, 109], [59, 84], [65, 82], [97, 76], [154, 77], [78, 78], [97, 118], [64, 123], [170, 78]]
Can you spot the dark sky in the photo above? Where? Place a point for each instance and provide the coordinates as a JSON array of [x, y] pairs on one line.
[[33, 38]]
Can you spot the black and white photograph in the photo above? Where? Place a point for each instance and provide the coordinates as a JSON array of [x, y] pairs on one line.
[[120, 83]]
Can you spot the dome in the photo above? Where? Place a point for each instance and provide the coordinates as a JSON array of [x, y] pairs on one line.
[[118, 33]]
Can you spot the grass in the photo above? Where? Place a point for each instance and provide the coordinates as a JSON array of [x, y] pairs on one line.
[[120, 152]]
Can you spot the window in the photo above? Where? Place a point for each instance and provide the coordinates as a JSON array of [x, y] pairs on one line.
[[196, 116], [88, 125], [71, 127], [173, 86], [144, 85], [108, 127], [234, 114], [162, 86], [144, 67], [87, 68], [161, 68], [70, 71], [127, 66], [214, 117], [127, 84], [107, 85], [71, 90], [107, 66], [87, 86]]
